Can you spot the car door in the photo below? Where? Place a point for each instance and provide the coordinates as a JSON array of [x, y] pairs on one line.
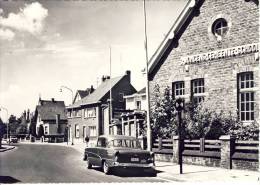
[[101, 146]]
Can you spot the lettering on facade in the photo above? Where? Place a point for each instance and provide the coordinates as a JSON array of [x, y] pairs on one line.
[[220, 54]]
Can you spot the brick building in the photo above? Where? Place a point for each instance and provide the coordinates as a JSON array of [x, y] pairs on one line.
[[212, 52], [90, 116]]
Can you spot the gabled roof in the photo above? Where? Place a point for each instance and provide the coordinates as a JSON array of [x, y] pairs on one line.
[[49, 109], [142, 92], [186, 12], [83, 93], [99, 93]]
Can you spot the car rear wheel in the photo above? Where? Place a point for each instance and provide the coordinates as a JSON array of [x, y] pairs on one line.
[[89, 165], [106, 168]]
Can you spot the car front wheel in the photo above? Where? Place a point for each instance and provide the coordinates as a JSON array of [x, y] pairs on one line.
[[89, 165], [106, 168]]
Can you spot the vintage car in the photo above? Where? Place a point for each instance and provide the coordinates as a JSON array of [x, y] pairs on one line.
[[13, 139], [113, 152]]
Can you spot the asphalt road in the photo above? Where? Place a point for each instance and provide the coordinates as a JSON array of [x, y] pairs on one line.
[[52, 164]]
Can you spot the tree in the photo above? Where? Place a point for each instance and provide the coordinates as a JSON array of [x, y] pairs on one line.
[[2, 131], [163, 114]]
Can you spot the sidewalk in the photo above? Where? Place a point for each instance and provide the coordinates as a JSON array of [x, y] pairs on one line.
[[6, 148], [193, 173]]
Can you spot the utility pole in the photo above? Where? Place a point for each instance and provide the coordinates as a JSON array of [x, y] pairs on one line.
[[149, 133], [110, 92]]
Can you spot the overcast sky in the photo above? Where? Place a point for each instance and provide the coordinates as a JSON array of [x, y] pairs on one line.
[[46, 44]]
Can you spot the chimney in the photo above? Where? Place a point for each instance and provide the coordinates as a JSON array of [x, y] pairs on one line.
[[91, 89], [128, 74], [52, 100], [103, 78]]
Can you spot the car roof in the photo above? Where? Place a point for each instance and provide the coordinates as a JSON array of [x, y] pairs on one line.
[[111, 137]]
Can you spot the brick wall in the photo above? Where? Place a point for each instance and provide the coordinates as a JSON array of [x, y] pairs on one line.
[[220, 75]]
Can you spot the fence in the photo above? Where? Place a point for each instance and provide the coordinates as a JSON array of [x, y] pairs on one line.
[[225, 152]]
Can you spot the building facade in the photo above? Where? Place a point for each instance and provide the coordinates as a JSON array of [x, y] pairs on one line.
[[51, 116], [212, 53], [133, 119], [90, 117]]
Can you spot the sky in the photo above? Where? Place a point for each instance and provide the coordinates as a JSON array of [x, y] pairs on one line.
[[49, 43]]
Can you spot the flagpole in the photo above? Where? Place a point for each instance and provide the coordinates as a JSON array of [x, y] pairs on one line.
[[149, 134], [110, 105]]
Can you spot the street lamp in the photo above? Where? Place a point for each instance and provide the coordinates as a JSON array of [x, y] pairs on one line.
[[65, 87], [7, 123], [179, 106]]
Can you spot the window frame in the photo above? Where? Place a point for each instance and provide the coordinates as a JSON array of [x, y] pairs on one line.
[[197, 97], [77, 131], [223, 30], [246, 97], [91, 131], [174, 89]]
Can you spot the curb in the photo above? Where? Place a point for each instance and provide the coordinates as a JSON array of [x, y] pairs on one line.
[[4, 150]]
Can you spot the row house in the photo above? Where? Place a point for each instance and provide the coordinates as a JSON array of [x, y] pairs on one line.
[[91, 116], [211, 53]]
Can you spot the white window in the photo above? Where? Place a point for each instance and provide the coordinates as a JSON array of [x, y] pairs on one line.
[[178, 89], [138, 105], [246, 96], [78, 113], [92, 131], [90, 112], [77, 131], [197, 90]]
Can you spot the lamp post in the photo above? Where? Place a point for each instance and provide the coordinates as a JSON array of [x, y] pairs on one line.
[[65, 87], [7, 123], [179, 106]]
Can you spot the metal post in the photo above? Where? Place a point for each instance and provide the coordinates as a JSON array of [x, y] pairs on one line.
[[71, 104], [179, 106], [149, 133], [180, 140]]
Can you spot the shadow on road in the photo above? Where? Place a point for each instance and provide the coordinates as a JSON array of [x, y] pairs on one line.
[[122, 172], [8, 179]]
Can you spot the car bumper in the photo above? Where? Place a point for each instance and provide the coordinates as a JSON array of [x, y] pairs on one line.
[[133, 165]]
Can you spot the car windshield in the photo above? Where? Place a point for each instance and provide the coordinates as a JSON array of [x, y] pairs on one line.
[[126, 143]]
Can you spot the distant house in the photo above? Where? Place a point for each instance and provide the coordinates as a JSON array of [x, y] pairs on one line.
[[51, 115], [133, 119], [91, 115], [80, 94]]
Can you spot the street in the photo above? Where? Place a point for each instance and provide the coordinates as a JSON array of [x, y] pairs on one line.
[[52, 164]]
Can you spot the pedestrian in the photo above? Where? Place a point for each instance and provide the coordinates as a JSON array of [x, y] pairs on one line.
[[87, 140]]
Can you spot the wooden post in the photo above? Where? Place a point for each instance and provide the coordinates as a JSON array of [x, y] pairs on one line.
[[202, 144], [160, 143]]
